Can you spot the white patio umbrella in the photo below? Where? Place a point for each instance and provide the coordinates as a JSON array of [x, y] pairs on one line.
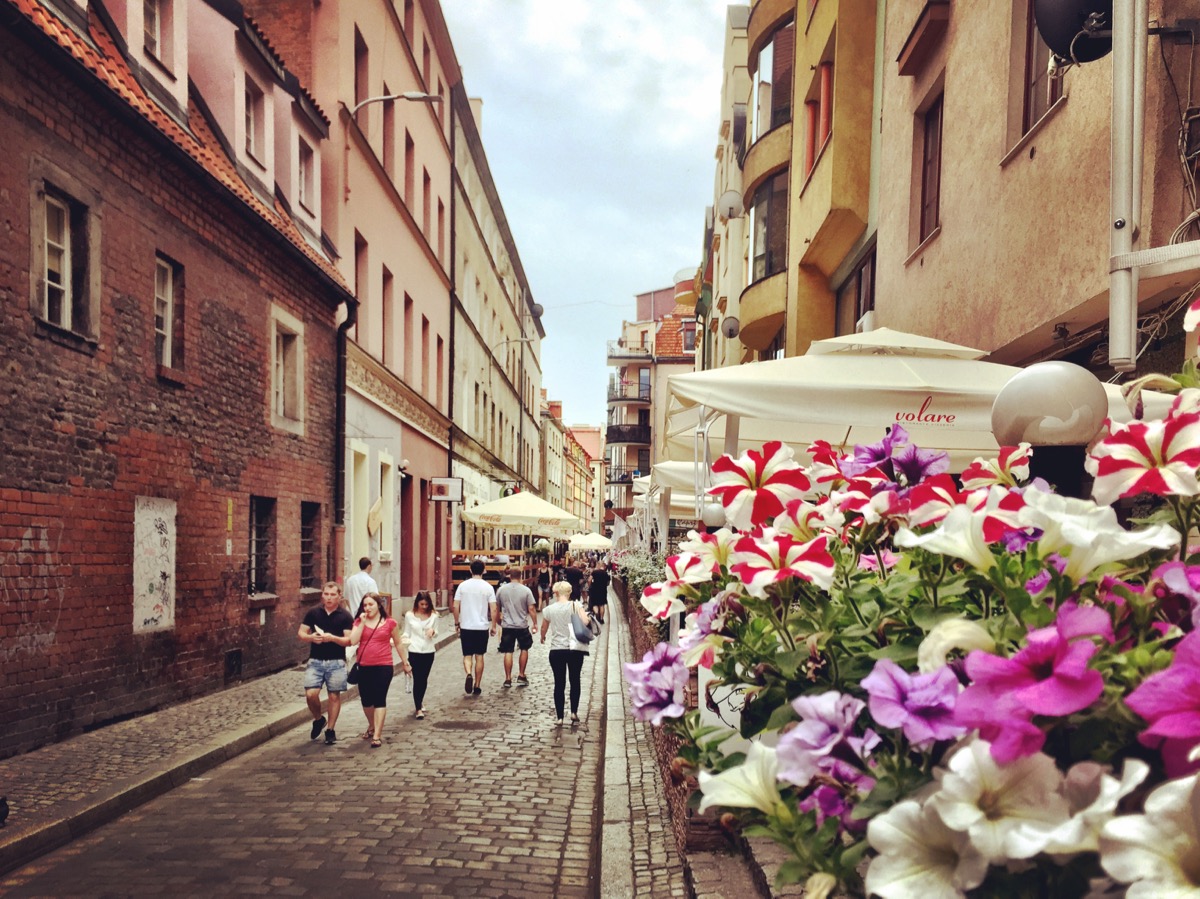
[[524, 512], [590, 541], [849, 390]]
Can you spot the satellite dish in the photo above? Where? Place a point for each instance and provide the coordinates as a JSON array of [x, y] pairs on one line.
[[730, 205], [1066, 27], [731, 327]]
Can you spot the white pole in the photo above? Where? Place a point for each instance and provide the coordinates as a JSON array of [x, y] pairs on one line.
[[1123, 215]]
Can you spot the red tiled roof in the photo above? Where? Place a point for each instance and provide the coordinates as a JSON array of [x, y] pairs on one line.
[[101, 57]]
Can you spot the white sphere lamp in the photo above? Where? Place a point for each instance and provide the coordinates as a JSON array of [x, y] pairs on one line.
[[1050, 404]]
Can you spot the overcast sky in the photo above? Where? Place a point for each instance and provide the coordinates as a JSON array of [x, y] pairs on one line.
[[600, 123]]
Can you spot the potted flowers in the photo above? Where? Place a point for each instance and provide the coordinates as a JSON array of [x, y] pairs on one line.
[[947, 687]]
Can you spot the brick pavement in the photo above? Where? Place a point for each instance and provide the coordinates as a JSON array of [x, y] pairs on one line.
[[243, 805], [486, 797]]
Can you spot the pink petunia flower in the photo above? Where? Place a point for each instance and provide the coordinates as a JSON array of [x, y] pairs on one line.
[[1159, 457], [756, 486], [1170, 702], [1048, 676], [770, 558], [922, 705]]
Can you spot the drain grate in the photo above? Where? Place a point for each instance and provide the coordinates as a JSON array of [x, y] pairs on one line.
[[464, 725]]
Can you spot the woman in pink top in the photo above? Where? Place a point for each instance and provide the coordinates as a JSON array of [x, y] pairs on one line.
[[374, 634]]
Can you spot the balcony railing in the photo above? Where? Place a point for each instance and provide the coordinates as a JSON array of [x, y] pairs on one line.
[[628, 434], [623, 475], [618, 350], [618, 392]]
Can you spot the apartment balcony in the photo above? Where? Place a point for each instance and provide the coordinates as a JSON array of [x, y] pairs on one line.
[[762, 308], [619, 353], [638, 434], [624, 475], [638, 394]]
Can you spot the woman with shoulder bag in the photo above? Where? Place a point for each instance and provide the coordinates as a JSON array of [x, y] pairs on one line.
[[374, 634], [566, 652]]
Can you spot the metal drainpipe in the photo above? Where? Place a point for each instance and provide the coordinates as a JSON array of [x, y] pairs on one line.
[[339, 444]]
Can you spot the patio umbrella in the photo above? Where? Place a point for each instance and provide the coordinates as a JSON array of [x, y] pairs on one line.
[[590, 541], [848, 390], [526, 512]]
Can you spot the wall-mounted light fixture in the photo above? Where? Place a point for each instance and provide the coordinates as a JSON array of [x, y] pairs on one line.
[[414, 96]]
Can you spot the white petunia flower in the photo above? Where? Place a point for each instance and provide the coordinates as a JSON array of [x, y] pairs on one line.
[[953, 633], [751, 784], [989, 803], [920, 857], [959, 534], [1087, 535], [1158, 853], [1093, 795]]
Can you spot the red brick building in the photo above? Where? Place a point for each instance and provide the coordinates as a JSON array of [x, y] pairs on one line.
[[169, 401]]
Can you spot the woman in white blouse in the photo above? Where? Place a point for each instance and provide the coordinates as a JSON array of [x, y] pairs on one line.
[[566, 653], [420, 629]]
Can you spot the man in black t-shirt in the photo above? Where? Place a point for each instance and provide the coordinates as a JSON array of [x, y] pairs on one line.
[[574, 576], [327, 631]]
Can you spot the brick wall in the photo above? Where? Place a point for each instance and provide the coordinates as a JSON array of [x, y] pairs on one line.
[[87, 428]]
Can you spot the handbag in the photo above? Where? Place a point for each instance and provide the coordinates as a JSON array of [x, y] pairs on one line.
[[355, 672], [583, 632]]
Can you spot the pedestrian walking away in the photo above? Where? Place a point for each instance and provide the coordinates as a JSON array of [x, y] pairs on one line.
[[375, 632], [566, 656], [598, 592], [327, 631], [518, 621], [475, 617], [543, 584], [574, 575], [420, 628], [359, 585]]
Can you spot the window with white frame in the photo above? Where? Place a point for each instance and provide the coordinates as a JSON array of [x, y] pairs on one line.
[[306, 176], [152, 26], [58, 287], [65, 263], [255, 120], [287, 371], [165, 309]]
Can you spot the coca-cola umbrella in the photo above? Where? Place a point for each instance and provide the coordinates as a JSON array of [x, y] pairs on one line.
[[850, 390], [526, 513]]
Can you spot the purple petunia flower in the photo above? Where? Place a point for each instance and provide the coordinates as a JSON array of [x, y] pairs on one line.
[[922, 705], [916, 464], [1041, 580], [875, 455], [656, 684], [827, 723]]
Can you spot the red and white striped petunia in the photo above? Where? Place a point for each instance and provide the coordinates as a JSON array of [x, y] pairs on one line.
[[662, 600], [771, 558], [1001, 510], [1010, 468], [756, 486], [1191, 318], [931, 500], [1159, 457]]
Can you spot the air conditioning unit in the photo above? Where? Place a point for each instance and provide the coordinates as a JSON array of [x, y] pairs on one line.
[[385, 557], [866, 323]]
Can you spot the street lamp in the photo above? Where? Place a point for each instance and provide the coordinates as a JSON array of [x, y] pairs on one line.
[[415, 96]]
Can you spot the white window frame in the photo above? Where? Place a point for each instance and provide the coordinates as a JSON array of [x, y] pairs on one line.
[[285, 387], [152, 27], [164, 310], [60, 244], [255, 100], [306, 158]]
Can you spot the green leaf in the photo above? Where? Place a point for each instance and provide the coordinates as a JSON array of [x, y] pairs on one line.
[[792, 871]]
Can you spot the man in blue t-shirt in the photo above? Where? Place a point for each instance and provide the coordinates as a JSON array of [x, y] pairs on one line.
[[326, 629]]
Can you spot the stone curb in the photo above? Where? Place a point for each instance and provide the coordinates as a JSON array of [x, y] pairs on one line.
[[74, 819]]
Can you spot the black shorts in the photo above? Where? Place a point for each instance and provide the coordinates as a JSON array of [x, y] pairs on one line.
[[518, 635], [373, 683], [474, 643], [599, 599]]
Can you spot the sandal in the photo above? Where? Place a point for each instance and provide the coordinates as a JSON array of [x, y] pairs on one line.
[[365, 735], [376, 743], [420, 714]]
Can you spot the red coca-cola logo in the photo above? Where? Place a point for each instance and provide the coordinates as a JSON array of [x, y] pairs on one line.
[[925, 417]]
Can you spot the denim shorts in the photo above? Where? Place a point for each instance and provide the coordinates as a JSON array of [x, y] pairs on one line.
[[327, 673]]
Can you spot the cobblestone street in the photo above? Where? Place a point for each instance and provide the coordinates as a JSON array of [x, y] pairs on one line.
[[485, 797]]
